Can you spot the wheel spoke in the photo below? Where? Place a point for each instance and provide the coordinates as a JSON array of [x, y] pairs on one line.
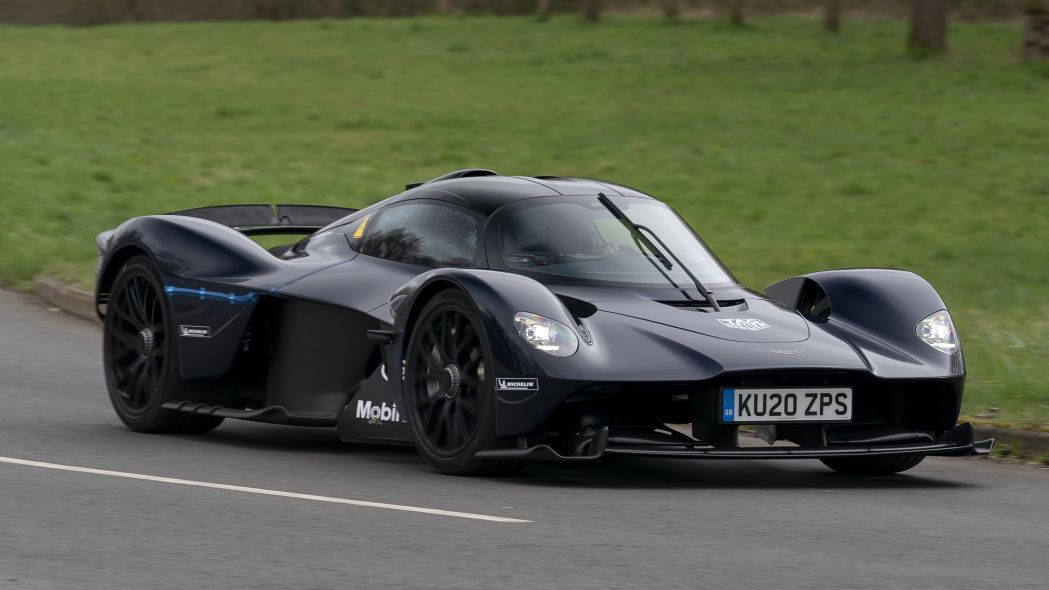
[[471, 381], [459, 428], [433, 360], [143, 294], [468, 405], [123, 338], [124, 316], [134, 303], [445, 333], [464, 342], [472, 361], [429, 337], [136, 390], [454, 334], [154, 304]]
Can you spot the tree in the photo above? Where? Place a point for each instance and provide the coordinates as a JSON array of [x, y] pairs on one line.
[[832, 16], [735, 12], [444, 6], [671, 8], [592, 10], [544, 9], [1036, 38], [928, 26]]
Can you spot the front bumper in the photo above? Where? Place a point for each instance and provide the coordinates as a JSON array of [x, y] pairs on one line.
[[957, 442]]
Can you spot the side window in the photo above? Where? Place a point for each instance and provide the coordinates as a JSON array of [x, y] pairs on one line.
[[424, 234]]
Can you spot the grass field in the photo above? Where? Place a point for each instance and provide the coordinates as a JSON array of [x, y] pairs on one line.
[[789, 151]]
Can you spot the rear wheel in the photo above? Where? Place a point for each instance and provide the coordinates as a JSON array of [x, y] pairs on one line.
[[450, 398], [140, 355], [876, 465]]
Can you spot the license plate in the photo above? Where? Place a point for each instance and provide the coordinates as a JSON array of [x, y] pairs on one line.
[[813, 404]]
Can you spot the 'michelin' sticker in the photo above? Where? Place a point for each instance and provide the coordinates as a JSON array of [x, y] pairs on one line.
[[194, 331], [517, 384]]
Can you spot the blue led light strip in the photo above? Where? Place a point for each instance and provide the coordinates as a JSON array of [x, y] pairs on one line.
[[205, 294]]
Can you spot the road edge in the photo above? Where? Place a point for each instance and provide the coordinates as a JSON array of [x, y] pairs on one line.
[[81, 304], [72, 300]]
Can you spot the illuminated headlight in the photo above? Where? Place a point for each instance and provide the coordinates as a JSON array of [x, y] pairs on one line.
[[938, 332], [546, 334]]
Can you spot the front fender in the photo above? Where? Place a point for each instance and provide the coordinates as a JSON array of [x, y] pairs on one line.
[[497, 296], [876, 311]]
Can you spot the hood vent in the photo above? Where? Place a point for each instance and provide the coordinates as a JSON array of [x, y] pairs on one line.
[[700, 305]]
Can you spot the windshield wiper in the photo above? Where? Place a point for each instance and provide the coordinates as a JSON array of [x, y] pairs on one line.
[[638, 231]]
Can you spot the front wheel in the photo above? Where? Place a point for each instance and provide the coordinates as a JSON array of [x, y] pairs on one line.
[[450, 398], [876, 465]]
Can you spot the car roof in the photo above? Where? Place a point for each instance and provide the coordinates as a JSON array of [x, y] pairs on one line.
[[489, 191]]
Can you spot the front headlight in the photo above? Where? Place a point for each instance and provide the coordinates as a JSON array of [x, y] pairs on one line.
[[547, 335], [937, 331]]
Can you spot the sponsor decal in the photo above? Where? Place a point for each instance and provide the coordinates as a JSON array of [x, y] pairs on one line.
[[194, 331], [517, 384], [377, 413], [744, 323]]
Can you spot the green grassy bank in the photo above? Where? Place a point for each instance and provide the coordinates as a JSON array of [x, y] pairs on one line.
[[789, 151]]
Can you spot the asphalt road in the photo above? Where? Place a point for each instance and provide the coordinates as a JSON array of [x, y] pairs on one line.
[[950, 523]]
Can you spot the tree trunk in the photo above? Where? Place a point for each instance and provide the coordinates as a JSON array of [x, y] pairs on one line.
[[671, 8], [832, 16], [1036, 38], [335, 9], [444, 6], [735, 12], [928, 25], [544, 9], [592, 10]]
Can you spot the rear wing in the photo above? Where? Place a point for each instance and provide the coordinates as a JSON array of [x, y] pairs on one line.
[[257, 220]]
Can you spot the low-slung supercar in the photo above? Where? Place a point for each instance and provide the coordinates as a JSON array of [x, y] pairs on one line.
[[494, 320]]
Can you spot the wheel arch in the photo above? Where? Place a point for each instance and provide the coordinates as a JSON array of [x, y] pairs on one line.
[[108, 273], [202, 265], [425, 293]]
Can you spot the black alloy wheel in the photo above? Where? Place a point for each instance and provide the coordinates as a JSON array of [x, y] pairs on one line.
[[137, 339], [449, 388], [140, 351]]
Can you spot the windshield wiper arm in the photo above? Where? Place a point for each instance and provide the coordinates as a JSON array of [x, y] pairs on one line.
[[707, 293], [641, 246], [637, 231], [633, 229]]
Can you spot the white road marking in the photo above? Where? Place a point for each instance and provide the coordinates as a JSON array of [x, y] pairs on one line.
[[264, 492]]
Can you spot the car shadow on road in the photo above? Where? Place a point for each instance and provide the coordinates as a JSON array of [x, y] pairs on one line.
[[635, 473], [612, 473]]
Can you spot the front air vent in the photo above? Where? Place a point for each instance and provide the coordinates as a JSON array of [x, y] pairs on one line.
[[703, 305]]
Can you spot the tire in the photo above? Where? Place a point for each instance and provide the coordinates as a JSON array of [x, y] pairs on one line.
[[449, 400], [876, 465], [141, 357]]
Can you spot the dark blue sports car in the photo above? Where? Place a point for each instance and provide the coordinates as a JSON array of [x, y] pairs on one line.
[[494, 320]]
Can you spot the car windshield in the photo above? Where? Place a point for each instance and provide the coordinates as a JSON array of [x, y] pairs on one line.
[[577, 238]]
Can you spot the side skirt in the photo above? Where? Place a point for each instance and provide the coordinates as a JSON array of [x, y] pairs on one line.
[[270, 415]]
